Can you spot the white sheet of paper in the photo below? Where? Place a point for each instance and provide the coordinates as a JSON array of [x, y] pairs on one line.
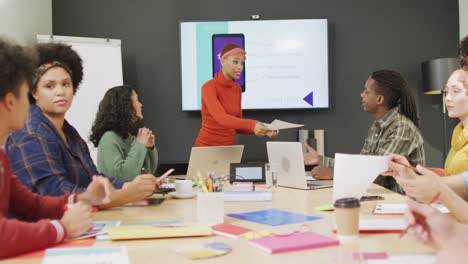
[[400, 208], [278, 124], [381, 224], [417, 259], [353, 174]]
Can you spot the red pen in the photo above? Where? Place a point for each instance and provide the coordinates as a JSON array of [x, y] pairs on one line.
[[407, 166], [418, 217]]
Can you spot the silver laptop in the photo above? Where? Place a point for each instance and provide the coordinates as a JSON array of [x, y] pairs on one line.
[[288, 159], [213, 159]]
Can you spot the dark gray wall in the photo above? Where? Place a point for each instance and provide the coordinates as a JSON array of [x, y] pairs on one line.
[[364, 35]]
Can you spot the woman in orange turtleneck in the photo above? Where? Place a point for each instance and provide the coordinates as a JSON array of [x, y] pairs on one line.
[[221, 104]]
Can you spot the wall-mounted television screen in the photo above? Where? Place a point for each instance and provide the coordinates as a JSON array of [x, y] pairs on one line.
[[286, 65]]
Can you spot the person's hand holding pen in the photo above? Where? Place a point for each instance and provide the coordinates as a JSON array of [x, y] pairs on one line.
[[423, 187], [427, 225], [142, 186], [399, 167]]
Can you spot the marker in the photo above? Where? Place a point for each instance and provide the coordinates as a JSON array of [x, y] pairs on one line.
[[165, 175]]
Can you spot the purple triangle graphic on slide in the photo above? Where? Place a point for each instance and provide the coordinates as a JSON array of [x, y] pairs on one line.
[[309, 98]]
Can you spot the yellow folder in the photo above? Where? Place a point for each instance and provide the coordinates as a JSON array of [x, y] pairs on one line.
[[147, 231]]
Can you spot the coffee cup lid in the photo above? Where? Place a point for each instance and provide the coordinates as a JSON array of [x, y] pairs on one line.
[[347, 203]]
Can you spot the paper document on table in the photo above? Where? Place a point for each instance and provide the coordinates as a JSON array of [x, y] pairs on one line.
[[399, 209], [417, 259], [145, 231], [353, 174], [90, 255], [278, 124]]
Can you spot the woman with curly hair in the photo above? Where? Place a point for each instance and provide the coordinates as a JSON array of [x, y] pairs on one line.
[[48, 154], [120, 153]]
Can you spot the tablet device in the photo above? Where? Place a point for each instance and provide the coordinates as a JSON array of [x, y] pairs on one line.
[[247, 172]]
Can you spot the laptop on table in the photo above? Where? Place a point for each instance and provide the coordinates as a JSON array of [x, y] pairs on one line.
[[288, 159], [213, 159]]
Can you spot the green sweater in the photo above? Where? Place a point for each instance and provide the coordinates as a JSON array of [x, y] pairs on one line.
[[124, 158]]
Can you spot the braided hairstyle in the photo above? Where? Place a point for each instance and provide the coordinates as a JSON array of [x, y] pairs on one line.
[[394, 88], [463, 52]]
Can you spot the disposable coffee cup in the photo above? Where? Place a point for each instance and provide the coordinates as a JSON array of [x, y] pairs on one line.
[[183, 187], [347, 219]]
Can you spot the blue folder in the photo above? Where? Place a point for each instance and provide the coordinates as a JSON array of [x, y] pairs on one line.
[[274, 217]]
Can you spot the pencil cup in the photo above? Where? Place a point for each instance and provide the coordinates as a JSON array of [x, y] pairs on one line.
[[347, 219], [210, 207]]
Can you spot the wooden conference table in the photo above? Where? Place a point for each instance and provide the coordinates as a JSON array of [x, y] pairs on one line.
[[298, 201]]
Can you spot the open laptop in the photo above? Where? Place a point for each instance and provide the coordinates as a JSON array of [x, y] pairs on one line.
[[213, 159], [288, 159]]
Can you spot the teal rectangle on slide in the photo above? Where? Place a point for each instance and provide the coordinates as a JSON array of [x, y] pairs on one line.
[[205, 31]]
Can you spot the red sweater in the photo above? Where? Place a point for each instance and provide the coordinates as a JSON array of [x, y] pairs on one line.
[[30, 229], [221, 113]]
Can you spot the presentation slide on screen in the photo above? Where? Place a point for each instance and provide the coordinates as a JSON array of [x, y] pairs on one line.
[[286, 65]]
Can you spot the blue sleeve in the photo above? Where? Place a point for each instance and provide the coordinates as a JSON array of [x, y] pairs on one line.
[[465, 176], [38, 165], [116, 182]]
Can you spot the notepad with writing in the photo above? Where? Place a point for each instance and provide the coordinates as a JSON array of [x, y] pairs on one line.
[[293, 242], [229, 230]]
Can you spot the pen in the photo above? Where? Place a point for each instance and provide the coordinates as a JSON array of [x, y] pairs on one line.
[[418, 216], [165, 175], [210, 184], [216, 185], [202, 182], [406, 165]]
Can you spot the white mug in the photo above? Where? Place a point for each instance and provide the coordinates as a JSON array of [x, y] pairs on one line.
[[183, 187]]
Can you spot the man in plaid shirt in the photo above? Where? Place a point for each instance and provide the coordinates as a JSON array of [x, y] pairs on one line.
[[394, 131]]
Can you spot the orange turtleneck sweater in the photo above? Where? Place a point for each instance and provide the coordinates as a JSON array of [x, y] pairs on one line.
[[221, 113]]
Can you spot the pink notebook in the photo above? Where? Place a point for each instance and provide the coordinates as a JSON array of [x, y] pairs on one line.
[[293, 242]]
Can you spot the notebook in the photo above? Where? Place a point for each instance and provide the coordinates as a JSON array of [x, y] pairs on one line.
[[398, 209], [293, 242], [229, 230], [148, 231], [274, 217], [117, 255]]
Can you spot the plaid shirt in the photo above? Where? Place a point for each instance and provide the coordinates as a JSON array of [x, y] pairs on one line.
[[393, 134], [45, 163]]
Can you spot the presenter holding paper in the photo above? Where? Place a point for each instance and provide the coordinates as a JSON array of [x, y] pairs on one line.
[[221, 104]]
